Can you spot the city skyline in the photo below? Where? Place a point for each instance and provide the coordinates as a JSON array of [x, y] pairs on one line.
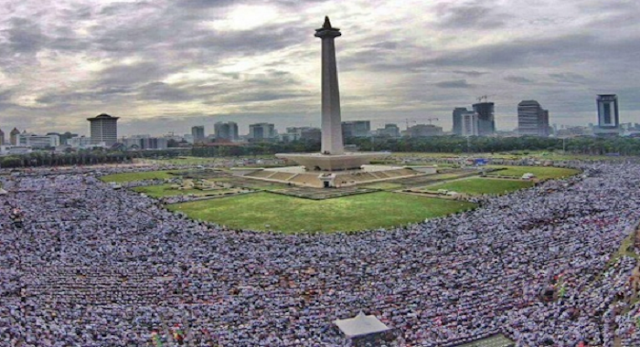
[[168, 65]]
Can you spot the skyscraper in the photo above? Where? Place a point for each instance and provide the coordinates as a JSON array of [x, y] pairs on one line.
[[226, 131], [457, 120], [104, 128], [262, 131], [469, 123], [486, 121], [358, 128], [198, 133], [1, 137], [608, 117], [533, 120]]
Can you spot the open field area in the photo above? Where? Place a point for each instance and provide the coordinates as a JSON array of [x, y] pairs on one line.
[[265, 211], [541, 172], [137, 176], [478, 186], [166, 190], [541, 155]]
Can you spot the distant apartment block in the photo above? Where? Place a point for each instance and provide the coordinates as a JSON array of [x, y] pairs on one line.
[[302, 133], [469, 124], [79, 142], [533, 120], [198, 133], [424, 130], [262, 131], [145, 142], [358, 128], [457, 120], [226, 131], [389, 130]]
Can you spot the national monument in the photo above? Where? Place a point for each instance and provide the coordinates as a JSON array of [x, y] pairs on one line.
[[332, 167]]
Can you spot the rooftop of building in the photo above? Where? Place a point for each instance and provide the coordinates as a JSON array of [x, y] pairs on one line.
[[102, 116]]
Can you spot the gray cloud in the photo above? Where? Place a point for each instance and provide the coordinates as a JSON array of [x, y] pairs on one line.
[[518, 80], [568, 77], [454, 84], [477, 15], [168, 58], [470, 73]]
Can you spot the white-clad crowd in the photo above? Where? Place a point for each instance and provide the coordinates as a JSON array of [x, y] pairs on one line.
[[94, 266]]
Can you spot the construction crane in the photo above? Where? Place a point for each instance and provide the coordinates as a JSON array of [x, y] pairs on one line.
[[431, 120], [410, 120]]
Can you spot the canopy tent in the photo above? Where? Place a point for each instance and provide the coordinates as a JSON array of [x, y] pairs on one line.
[[361, 325]]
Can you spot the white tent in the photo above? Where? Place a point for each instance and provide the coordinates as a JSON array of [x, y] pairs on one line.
[[361, 325], [3, 192]]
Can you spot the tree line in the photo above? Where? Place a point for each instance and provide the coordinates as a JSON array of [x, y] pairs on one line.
[[441, 144]]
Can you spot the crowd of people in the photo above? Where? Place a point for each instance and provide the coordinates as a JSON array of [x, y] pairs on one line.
[[90, 265]]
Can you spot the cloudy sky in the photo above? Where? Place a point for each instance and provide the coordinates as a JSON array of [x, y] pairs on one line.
[[166, 65]]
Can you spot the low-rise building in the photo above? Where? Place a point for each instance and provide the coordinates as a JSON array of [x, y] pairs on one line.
[[38, 141]]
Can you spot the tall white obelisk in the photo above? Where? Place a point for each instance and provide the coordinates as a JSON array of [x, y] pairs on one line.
[[331, 118]]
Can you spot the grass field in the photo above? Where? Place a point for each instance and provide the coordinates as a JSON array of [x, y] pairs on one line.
[[165, 190], [266, 211], [478, 186], [136, 176], [541, 172], [542, 155]]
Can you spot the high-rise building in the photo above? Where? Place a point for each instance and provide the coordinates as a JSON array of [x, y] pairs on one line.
[[486, 120], [457, 120], [358, 128], [1, 137], [104, 129], [545, 129], [226, 131], [198, 133], [146, 142], [262, 131], [608, 117], [533, 120], [424, 130], [390, 130], [469, 124], [13, 136], [302, 133]]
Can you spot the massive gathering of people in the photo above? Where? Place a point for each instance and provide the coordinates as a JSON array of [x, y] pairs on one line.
[[89, 265]]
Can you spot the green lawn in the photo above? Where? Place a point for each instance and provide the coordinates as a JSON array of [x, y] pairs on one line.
[[165, 190], [478, 186], [136, 176], [266, 211], [541, 172]]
